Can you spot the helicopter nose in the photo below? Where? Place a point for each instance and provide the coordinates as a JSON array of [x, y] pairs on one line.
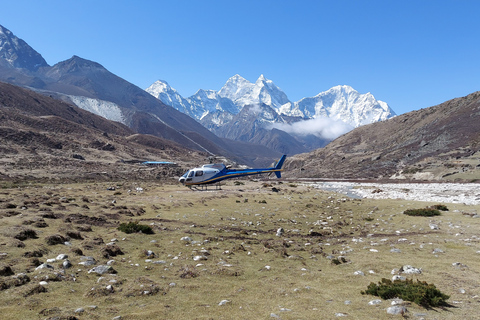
[[182, 180]]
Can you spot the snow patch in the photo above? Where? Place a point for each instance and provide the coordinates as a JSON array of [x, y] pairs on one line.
[[106, 109]]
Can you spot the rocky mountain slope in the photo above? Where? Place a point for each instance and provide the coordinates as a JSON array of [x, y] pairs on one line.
[[44, 138], [440, 142]]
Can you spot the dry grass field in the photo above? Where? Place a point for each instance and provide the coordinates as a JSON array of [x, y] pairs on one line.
[[216, 254]]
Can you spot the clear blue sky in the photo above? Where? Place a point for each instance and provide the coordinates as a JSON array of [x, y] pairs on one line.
[[410, 54]]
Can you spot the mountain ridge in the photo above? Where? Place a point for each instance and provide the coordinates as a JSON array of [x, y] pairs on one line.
[[219, 112], [140, 111], [241, 92]]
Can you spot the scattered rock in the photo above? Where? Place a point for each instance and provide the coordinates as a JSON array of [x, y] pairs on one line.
[[61, 257], [397, 310], [459, 265], [150, 254], [223, 302], [87, 261], [407, 269], [102, 269], [280, 232], [198, 258], [375, 302], [44, 266], [186, 239], [434, 226]]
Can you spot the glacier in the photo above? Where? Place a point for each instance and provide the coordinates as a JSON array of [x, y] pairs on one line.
[[106, 109]]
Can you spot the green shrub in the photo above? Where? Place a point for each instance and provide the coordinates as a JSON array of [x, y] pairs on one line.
[[440, 207], [426, 212], [420, 292], [134, 227]]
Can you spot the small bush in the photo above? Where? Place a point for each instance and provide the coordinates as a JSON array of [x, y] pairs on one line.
[[420, 292], [440, 207], [426, 212], [134, 227]]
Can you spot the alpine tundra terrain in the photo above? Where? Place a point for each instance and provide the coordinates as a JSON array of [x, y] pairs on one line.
[[253, 250]]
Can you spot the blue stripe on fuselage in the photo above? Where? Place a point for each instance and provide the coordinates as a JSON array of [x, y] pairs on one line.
[[222, 175]]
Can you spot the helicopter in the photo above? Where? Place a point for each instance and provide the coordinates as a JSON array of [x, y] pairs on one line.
[[214, 173]]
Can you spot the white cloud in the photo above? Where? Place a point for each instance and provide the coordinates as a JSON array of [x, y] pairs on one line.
[[321, 127]]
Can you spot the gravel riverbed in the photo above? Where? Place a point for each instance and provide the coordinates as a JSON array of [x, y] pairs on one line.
[[466, 193]]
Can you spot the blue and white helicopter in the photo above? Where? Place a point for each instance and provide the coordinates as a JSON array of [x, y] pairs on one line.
[[214, 173]]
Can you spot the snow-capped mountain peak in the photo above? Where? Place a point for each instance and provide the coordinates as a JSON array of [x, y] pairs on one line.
[[160, 86], [341, 103], [235, 87], [242, 92], [162, 91]]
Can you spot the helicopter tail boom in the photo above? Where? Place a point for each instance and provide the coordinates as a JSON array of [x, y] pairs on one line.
[[279, 165]]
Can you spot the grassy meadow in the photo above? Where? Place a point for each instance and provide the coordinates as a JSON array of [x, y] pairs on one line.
[[216, 254]]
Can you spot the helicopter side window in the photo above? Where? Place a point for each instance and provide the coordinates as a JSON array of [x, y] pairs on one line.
[[198, 173], [191, 173]]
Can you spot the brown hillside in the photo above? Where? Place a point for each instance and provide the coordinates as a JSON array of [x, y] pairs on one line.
[[434, 143], [44, 138]]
